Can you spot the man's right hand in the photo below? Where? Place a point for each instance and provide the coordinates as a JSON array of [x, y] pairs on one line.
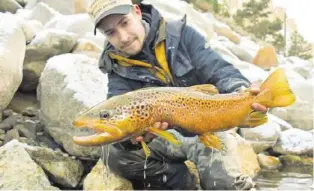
[[148, 137]]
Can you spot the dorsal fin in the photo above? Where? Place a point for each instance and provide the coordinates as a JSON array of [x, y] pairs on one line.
[[205, 88]]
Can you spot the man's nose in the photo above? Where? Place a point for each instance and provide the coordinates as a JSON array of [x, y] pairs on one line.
[[123, 35]]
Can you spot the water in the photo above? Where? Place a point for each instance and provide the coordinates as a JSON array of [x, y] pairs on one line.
[[289, 178]]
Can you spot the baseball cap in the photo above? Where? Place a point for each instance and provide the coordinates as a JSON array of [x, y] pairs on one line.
[[99, 9]]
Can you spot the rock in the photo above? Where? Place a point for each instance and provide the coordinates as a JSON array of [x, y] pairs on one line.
[[194, 18], [22, 101], [269, 162], [30, 112], [240, 52], [48, 43], [294, 141], [239, 155], [69, 84], [9, 6], [12, 134], [95, 180], [9, 122], [266, 58], [30, 28], [40, 12], [262, 137], [87, 47], [31, 75], [61, 170], [283, 124], [25, 131], [19, 172], [289, 160], [79, 24], [65, 7], [300, 66], [225, 30], [12, 46], [7, 113]]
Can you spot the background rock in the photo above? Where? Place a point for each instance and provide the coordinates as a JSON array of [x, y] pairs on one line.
[[12, 43]]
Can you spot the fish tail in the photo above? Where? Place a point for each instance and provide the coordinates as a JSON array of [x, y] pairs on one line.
[[275, 90]]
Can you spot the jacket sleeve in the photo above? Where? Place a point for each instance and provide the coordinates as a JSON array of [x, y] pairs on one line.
[[210, 66]]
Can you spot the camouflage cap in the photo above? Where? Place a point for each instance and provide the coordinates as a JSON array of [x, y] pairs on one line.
[[99, 9]]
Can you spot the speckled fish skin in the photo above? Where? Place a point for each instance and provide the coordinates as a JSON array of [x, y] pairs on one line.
[[197, 109]]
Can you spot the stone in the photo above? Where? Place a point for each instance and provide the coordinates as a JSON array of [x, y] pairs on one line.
[[18, 171], [12, 40], [95, 180], [266, 58], [269, 162], [9, 6]]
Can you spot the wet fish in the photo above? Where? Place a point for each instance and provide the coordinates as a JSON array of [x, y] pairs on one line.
[[198, 109]]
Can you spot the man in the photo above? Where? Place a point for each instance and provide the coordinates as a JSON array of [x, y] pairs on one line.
[[144, 50]]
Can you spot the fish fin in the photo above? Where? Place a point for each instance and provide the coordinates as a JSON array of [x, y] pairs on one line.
[[275, 90], [205, 88], [145, 149], [211, 141], [166, 135], [255, 118]]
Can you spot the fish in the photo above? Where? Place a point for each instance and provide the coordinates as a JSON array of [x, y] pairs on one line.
[[198, 109]]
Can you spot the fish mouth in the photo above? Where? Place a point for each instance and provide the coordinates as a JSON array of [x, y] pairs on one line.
[[106, 133]]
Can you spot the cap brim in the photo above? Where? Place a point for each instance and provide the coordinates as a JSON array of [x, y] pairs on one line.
[[120, 10]]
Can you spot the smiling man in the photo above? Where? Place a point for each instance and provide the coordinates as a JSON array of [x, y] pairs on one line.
[[144, 50]]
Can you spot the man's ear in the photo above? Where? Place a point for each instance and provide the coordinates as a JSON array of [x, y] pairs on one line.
[[137, 11]]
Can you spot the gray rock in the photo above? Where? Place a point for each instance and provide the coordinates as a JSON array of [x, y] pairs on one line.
[[261, 137], [11, 135], [62, 170], [18, 171], [9, 6], [48, 43], [31, 75], [9, 122], [26, 132], [64, 91], [295, 141]]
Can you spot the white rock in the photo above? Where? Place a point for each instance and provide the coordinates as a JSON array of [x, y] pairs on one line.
[[18, 171], [78, 23], [295, 141], [70, 84], [40, 12], [194, 18], [12, 52]]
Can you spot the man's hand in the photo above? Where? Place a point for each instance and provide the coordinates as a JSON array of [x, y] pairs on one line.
[[149, 136], [254, 89]]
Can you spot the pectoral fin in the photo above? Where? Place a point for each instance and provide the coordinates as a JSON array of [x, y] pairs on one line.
[[145, 149], [205, 88], [210, 141], [255, 118], [166, 135]]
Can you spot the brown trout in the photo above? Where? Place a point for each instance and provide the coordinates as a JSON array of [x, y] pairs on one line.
[[198, 109]]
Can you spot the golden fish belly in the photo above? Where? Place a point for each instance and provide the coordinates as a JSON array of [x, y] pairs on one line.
[[204, 114]]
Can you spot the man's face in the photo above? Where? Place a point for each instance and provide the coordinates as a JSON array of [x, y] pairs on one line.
[[125, 32]]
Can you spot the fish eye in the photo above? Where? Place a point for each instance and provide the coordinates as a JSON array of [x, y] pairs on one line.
[[104, 114]]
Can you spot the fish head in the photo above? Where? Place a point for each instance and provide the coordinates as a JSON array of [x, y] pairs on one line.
[[114, 120]]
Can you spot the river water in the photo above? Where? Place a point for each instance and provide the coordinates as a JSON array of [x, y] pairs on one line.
[[289, 178]]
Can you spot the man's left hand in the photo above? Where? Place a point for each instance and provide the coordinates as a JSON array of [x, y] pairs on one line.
[[254, 89]]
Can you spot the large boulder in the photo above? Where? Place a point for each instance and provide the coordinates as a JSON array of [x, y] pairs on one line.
[[18, 171], [100, 179], [70, 84], [12, 52], [9, 6]]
